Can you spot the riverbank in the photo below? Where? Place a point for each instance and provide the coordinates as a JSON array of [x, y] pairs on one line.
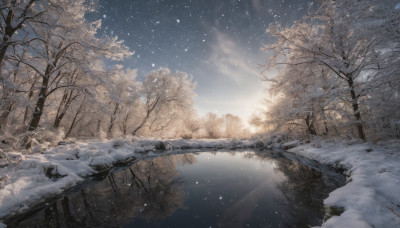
[[28, 177], [369, 199], [371, 196]]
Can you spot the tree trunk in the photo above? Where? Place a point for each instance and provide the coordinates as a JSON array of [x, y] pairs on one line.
[[8, 33], [27, 109], [310, 125], [112, 121], [125, 124], [150, 108], [38, 111], [65, 103], [326, 127], [60, 114], [356, 110], [141, 124], [6, 104], [98, 128], [67, 99], [75, 120], [6, 107]]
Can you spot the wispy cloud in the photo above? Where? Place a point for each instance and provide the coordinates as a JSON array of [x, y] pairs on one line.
[[230, 59]]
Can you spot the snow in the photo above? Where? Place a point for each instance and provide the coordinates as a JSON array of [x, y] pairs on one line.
[[349, 218], [370, 198]]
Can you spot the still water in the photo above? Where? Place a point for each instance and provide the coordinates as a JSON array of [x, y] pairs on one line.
[[202, 189]]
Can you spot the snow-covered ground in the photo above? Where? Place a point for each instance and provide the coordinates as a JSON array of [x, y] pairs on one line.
[[371, 198]]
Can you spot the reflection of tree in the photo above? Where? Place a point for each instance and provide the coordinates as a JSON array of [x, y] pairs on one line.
[[304, 190], [185, 159], [156, 182], [264, 159], [147, 189]]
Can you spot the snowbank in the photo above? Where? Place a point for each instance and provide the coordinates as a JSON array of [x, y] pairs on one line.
[[371, 198]]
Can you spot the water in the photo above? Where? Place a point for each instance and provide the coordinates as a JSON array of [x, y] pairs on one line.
[[207, 189]]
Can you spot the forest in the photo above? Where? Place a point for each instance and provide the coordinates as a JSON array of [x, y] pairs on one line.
[[60, 80], [335, 72]]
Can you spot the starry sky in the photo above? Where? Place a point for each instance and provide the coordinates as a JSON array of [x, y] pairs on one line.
[[218, 42]]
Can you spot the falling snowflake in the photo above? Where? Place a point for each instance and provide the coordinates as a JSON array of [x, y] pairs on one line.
[[153, 65], [178, 21]]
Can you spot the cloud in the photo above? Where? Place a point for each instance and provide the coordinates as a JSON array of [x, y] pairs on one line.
[[230, 59]]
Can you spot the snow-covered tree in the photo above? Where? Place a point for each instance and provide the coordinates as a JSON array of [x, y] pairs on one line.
[[65, 50], [164, 95], [15, 16], [335, 40], [124, 92], [234, 127], [213, 125], [55, 76]]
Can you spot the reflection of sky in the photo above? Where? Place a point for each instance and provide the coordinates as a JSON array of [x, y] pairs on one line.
[[218, 42], [236, 187]]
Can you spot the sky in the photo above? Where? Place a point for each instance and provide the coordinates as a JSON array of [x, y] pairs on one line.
[[218, 42]]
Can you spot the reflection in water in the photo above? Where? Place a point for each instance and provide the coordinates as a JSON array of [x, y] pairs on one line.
[[147, 189], [234, 189], [303, 189]]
